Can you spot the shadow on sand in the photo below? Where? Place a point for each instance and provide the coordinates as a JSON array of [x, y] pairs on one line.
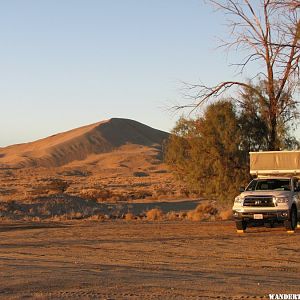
[[29, 226]]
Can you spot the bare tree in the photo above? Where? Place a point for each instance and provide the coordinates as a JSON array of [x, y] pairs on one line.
[[269, 35], [291, 4]]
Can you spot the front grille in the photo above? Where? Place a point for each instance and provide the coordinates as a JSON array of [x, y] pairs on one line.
[[259, 201]]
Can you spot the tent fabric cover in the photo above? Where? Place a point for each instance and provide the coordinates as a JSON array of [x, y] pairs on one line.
[[275, 162]]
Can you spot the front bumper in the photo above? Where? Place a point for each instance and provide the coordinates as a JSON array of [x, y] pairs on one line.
[[275, 216]]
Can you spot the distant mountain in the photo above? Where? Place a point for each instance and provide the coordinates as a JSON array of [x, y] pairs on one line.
[[80, 143]]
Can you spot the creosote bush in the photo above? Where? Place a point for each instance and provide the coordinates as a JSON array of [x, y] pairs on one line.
[[206, 154], [204, 211], [154, 214], [95, 194], [226, 214], [129, 216]]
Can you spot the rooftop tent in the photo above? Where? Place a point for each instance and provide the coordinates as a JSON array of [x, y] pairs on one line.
[[275, 162]]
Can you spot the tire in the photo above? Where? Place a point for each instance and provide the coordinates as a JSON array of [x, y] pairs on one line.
[[291, 223], [240, 225]]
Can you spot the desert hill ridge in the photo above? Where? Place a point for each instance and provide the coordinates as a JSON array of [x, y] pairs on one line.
[[80, 143]]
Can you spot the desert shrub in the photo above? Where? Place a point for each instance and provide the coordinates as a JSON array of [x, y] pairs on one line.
[[154, 214], [47, 186], [7, 191], [182, 215], [58, 218], [118, 198], [75, 215], [12, 205], [139, 194], [32, 219], [140, 174], [55, 184], [75, 172], [160, 171], [36, 219], [155, 162], [207, 208], [142, 194], [195, 215], [185, 192], [205, 153], [162, 191], [129, 216], [204, 211], [96, 217], [8, 173], [95, 194], [226, 214], [172, 216], [44, 210]]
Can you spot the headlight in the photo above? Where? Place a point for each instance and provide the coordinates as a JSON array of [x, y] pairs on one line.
[[281, 200], [239, 199]]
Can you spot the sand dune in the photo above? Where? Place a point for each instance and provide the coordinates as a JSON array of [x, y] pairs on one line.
[[80, 143]]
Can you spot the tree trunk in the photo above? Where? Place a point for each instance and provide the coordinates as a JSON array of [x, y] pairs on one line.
[[273, 140]]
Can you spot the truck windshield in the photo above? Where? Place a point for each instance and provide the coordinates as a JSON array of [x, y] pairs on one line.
[[269, 184]]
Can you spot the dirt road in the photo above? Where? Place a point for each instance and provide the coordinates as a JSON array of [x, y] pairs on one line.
[[143, 260]]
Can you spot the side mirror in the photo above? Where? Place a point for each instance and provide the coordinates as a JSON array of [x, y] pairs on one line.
[[242, 189]]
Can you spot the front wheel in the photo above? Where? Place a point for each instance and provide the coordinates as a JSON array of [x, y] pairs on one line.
[[240, 225], [291, 223]]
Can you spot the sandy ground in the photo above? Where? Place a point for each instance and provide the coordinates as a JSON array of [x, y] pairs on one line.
[[130, 173], [144, 260]]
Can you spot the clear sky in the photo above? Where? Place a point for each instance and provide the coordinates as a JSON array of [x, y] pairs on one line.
[[68, 63]]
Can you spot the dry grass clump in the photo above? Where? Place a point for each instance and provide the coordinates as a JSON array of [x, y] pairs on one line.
[[75, 215], [172, 216], [79, 216], [207, 208], [204, 211], [226, 214], [154, 214], [32, 219], [129, 216], [194, 215], [99, 217], [182, 215], [176, 216], [58, 218]]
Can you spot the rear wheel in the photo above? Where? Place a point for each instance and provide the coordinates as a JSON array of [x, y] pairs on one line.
[[240, 225], [291, 223]]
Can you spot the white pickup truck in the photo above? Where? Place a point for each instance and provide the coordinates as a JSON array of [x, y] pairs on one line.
[[274, 195]]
